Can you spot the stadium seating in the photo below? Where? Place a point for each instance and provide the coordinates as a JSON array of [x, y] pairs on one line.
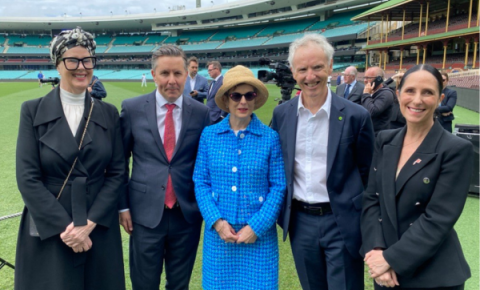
[[284, 38], [287, 27], [237, 33], [31, 40], [28, 50], [155, 39], [103, 39], [335, 20], [128, 39], [132, 49], [244, 43], [201, 46], [191, 36], [101, 49], [353, 29], [11, 75]]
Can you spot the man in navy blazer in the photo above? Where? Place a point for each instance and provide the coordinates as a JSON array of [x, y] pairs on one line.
[[445, 110], [215, 72], [327, 146], [355, 89], [196, 86], [159, 209]]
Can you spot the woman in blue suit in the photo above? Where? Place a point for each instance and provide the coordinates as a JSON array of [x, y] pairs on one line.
[[239, 185], [417, 189]]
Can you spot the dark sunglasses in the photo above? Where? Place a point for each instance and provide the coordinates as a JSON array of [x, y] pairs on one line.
[[237, 97], [72, 63]]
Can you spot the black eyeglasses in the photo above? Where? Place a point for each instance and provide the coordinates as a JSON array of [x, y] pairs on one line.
[[72, 63], [444, 80], [236, 97]]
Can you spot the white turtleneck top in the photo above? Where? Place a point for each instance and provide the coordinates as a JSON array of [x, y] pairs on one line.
[[73, 107]]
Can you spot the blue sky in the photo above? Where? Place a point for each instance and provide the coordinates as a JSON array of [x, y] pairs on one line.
[[73, 8]]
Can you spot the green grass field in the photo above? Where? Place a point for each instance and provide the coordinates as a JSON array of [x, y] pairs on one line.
[[13, 94]]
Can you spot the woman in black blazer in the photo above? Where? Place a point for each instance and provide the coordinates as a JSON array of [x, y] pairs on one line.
[[75, 243], [417, 189]]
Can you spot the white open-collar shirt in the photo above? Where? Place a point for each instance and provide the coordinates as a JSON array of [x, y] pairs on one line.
[[311, 148]]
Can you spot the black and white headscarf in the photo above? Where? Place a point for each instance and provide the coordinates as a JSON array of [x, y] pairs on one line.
[[71, 38]]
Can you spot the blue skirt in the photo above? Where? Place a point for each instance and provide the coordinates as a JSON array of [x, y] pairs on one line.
[[240, 266]]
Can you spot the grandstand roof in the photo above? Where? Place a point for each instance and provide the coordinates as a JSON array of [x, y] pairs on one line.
[[394, 9], [423, 39], [224, 15]]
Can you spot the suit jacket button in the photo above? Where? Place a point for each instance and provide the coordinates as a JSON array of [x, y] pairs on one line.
[[380, 220], [163, 187], [417, 203], [411, 224], [377, 193]]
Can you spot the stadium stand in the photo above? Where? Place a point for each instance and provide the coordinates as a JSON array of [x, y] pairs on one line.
[[128, 39], [191, 36], [287, 27], [101, 49], [103, 39], [30, 40], [335, 20], [155, 39], [131, 49], [353, 29], [244, 43], [237, 33], [11, 75], [28, 50], [284, 39], [201, 46]]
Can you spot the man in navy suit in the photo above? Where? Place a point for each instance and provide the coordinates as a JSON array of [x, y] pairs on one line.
[[327, 146], [215, 72], [161, 131], [196, 85], [445, 110]]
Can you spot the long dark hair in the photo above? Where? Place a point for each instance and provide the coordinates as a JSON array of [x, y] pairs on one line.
[[426, 67]]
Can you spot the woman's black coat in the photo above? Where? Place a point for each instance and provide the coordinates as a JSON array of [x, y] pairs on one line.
[[45, 153], [412, 217]]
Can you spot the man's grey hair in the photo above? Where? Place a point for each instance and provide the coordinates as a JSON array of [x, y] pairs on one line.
[[168, 50], [353, 70], [216, 64], [313, 38]]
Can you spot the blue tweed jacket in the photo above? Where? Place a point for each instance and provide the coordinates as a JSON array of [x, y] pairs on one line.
[[240, 178]]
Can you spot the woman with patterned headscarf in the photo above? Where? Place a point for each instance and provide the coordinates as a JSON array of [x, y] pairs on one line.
[[70, 169]]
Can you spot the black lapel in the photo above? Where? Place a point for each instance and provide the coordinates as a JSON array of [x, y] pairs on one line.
[[390, 156], [186, 118], [58, 136], [291, 117], [151, 113], [337, 119], [424, 154]]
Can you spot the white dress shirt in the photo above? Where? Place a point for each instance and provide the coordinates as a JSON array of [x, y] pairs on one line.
[[162, 113], [73, 106], [311, 148], [192, 83]]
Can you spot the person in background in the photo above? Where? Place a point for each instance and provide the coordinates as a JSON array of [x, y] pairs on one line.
[[445, 110], [416, 192], [215, 72], [327, 145], [196, 85], [240, 185], [144, 82], [377, 99], [161, 131], [69, 236], [96, 88], [350, 89], [40, 77]]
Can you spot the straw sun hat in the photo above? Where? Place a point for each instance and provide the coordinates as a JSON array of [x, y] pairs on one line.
[[241, 75]]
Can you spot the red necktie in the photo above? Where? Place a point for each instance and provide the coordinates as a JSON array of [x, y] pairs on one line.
[[169, 145]]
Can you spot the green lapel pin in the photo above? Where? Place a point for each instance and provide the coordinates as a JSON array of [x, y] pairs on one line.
[[340, 118]]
